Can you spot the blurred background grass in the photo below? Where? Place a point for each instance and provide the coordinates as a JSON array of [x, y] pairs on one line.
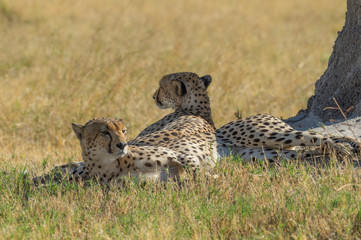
[[64, 61]]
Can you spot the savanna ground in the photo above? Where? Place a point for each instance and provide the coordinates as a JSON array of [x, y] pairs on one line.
[[64, 61]]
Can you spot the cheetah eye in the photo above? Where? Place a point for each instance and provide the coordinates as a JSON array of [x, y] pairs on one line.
[[104, 133], [124, 131]]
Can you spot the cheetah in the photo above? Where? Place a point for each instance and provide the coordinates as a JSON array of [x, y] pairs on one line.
[[257, 136], [189, 95], [189, 129], [107, 155]]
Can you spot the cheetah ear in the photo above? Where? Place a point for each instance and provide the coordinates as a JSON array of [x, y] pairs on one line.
[[180, 88], [206, 80], [78, 130]]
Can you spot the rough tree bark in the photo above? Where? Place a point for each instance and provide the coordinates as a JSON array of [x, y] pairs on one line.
[[342, 78]]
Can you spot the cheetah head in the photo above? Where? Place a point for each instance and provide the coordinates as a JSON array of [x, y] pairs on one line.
[[181, 90], [102, 139]]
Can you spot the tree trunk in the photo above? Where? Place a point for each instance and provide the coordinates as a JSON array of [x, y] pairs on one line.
[[342, 79]]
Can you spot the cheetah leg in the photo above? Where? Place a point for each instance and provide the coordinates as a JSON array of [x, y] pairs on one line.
[[68, 172], [273, 154], [79, 173], [291, 139], [153, 169], [192, 164], [189, 162], [161, 169], [352, 143]]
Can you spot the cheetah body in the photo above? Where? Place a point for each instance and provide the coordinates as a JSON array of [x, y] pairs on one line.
[[189, 130], [108, 157], [262, 136]]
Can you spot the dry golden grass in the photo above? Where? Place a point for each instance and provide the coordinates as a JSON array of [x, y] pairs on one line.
[[63, 61]]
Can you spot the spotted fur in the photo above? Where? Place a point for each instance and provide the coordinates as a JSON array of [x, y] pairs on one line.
[[107, 156], [267, 131], [189, 129]]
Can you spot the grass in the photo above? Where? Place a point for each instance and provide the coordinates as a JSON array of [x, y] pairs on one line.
[[247, 200], [64, 61]]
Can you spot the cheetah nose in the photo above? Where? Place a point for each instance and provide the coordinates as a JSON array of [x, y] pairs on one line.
[[155, 94], [121, 145]]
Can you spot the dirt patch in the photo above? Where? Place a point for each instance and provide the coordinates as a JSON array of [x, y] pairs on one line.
[[349, 128]]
